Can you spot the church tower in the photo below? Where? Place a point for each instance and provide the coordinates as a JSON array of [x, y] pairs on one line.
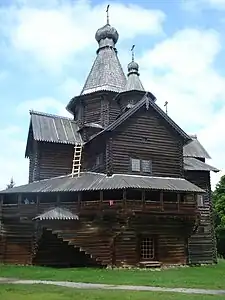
[[94, 107]]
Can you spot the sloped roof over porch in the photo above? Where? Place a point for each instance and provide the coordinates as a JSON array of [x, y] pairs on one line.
[[89, 181], [57, 213]]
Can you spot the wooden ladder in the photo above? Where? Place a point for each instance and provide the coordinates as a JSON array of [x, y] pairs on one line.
[[77, 160]]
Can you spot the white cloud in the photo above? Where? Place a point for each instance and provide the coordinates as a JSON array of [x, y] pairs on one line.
[[45, 104], [181, 70], [53, 35], [70, 88], [12, 161]]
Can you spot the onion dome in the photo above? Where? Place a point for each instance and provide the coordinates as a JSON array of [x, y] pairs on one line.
[[133, 80], [107, 32], [133, 67]]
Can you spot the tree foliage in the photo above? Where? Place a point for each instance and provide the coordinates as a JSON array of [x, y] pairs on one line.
[[219, 209], [11, 184]]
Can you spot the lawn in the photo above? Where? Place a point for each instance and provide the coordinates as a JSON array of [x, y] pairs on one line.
[[37, 292], [196, 277]]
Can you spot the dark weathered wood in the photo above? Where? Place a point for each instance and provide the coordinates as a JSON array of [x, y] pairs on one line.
[[145, 136], [111, 228], [202, 245], [50, 160], [102, 240]]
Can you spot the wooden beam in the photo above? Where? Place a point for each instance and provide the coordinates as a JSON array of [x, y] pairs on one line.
[[1, 200], [19, 199], [161, 201], [101, 199], [124, 199], [79, 199], [143, 199], [58, 199], [178, 202]]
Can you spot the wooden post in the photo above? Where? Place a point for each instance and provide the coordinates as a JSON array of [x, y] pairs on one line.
[[143, 199], [19, 199], [79, 199], [125, 199], [178, 202], [58, 199], [195, 197], [101, 200], [38, 202], [161, 201], [1, 200]]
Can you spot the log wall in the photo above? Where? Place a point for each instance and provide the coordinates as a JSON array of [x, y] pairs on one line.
[[146, 136], [51, 160], [103, 239], [202, 245]]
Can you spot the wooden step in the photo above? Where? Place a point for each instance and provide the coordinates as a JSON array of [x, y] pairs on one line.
[[150, 264]]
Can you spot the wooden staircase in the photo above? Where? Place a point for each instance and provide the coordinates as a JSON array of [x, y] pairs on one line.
[[94, 245]]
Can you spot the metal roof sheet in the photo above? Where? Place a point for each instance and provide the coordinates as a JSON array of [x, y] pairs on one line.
[[89, 181], [56, 129], [57, 213], [195, 149], [193, 164]]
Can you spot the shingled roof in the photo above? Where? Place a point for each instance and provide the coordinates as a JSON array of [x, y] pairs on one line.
[[89, 181], [193, 164], [195, 149], [133, 80], [52, 128], [106, 74]]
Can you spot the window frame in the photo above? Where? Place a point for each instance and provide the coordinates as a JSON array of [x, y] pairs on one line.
[[142, 170], [132, 161], [200, 201], [147, 248]]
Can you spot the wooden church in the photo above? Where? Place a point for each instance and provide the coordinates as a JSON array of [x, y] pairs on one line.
[[117, 184]]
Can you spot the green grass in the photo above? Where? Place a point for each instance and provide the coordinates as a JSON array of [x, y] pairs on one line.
[[37, 292], [196, 277]]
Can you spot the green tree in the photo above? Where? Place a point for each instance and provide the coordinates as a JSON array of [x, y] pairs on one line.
[[11, 184], [219, 209]]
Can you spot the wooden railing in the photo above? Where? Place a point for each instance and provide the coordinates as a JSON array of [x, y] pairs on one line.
[[107, 205], [138, 205]]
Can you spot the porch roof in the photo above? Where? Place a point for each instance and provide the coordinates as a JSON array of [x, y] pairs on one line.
[[90, 181], [57, 213]]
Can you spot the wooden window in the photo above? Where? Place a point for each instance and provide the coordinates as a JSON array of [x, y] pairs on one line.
[[200, 200], [146, 166], [141, 165], [135, 165], [147, 248]]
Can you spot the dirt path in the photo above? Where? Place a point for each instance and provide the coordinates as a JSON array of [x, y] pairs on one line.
[[79, 285]]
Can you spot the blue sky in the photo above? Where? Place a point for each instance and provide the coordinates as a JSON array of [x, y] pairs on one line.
[[47, 51]]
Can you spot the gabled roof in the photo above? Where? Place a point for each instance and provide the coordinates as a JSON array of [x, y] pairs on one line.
[[106, 73], [57, 213], [89, 181], [193, 164], [195, 149], [146, 100], [52, 128]]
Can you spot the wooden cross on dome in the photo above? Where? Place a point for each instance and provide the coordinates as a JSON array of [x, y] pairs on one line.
[[107, 12]]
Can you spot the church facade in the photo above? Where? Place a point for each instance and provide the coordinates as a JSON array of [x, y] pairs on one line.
[[117, 184]]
